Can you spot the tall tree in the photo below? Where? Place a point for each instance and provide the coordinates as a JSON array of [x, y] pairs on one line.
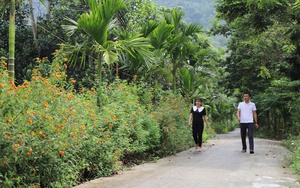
[[98, 24], [12, 34], [263, 56], [33, 23], [179, 46]]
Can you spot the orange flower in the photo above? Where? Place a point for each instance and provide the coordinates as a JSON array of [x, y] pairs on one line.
[[4, 64], [9, 121], [45, 104], [32, 133], [7, 137], [25, 96], [65, 60], [2, 85], [30, 121], [85, 137], [40, 133], [15, 150], [61, 152], [73, 81], [4, 162], [28, 153]]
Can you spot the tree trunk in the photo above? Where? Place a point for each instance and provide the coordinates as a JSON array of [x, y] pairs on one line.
[[99, 92], [50, 4], [33, 24], [12, 40], [174, 75], [117, 69], [268, 122], [275, 125]]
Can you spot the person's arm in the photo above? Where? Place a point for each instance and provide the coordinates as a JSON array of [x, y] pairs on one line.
[[255, 119], [238, 113], [190, 119], [206, 121]]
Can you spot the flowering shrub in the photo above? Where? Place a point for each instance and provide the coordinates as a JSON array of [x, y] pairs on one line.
[[52, 136]]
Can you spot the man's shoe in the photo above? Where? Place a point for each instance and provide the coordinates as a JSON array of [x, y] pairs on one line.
[[251, 152]]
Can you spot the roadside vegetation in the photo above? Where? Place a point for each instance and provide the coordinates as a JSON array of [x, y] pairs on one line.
[[93, 87]]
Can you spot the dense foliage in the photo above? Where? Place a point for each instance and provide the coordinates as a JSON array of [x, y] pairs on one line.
[[86, 104], [262, 57], [55, 137]]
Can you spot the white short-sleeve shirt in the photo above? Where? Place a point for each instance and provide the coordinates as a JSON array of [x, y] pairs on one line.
[[246, 110]]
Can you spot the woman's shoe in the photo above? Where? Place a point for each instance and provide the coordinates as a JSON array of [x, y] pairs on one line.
[[251, 152], [243, 151]]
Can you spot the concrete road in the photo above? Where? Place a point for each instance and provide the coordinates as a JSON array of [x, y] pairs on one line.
[[220, 165]]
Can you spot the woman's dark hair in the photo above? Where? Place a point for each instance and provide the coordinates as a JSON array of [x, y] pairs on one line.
[[199, 99]]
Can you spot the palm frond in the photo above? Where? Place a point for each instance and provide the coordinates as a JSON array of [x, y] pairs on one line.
[[4, 4], [98, 21], [177, 16], [137, 45], [160, 35], [192, 29], [109, 52], [70, 29], [296, 5], [149, 27], [76, 53]]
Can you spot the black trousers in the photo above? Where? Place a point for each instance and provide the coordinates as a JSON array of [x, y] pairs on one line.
[[197, 135], [244, 127]]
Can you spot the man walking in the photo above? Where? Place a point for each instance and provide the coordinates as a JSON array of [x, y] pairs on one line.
[[246, 113]]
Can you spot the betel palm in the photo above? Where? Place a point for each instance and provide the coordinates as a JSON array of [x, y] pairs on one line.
[[11, 40], [98, 24], [179, 42], [12, 34]]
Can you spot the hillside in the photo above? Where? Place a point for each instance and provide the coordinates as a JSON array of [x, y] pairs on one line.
[[202, 12]]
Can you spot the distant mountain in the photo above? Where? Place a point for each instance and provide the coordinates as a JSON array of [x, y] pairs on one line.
[[196, 11]]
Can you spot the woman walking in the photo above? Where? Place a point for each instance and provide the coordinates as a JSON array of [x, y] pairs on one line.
[[197, 114]]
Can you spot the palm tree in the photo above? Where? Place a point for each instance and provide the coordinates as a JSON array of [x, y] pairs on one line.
[[12, 33], [173, 43], [11, 40], [98, 24], [179, 46]]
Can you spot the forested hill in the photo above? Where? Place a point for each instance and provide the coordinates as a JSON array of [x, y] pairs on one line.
[[196, 11]]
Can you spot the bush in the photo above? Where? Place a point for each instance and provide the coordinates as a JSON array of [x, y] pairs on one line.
[[55, 137], [172, 113], [293, 144]]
